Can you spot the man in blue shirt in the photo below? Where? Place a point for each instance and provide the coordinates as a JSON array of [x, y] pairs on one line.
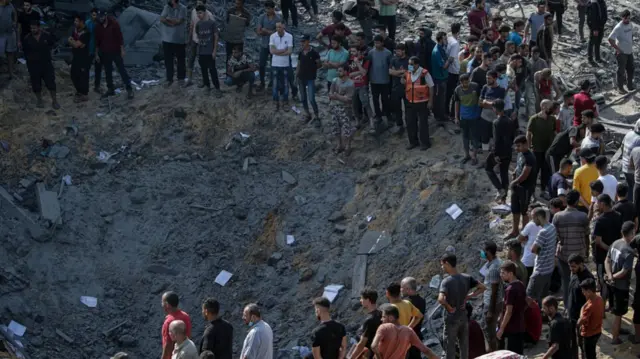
[[440, 62], [91, 26]]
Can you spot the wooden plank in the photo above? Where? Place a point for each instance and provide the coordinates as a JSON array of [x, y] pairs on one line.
[[359, 275], [6, 202]]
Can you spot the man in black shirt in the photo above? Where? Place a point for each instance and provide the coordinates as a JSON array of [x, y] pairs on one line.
[[398, 69], [81, 61], [558, 184], [329, 338], [501, 155], [559, 331], [25, 18], [523, 184], [308, 63], [564, 143], [479, 74], [37, 50], [409, 290], [626, 209], [605, 231], [425, 48], [368, 299], [218, 335], [576, 298]]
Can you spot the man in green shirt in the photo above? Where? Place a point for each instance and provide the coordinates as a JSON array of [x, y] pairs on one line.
[[387, 15], [541, 130]]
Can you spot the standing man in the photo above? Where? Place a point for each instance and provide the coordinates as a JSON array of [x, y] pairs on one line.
[[337, 57], [606, 230], [259, 341], [358, 72], [207, 31], [330, 337], [193, 39], [368, 299], [387, 16], [91, 24], [512, 326], [170, 303], [8, 25], [621, 39], [478, 19], [453, 296], [501, 155], [81, 61], [37, 51], [25, 18], [523, 185], [280, 47], [409, 315], [591, 318], [110, 46], [174, 19], [544, 38], [572, 227], [559, 331], [418, 90], [380, 59], [619, 265], [488, 96], [541, 131], [467, 114], [623, 206], [596, 20], [337, 27], [492, 299], [308, 64], [289, 6], [630, 141], [557, 7], [558, 184], [409, 289], [425, 48], [582, 6], [184, 347], [453, 52], [440, 62], [514, 254], [609, 181], [576, 298], [535, 21], [238, 20], [266, 27], [582, 178], [341, 104], [545, 249], [582, 101], [218, 334], [397, 71], [393, 340]]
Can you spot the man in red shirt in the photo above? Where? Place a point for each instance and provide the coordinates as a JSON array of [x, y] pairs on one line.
[[358, 69], [478, 19], [170, 303], [110, 47], [582, 101]]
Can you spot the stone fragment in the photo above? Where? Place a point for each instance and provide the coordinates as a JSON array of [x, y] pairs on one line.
[[138, 196], [240, 213], [421, 228], [182, 157], [274, 259], [306, 274], [179, 113], [336, 216], [64, 336], [340, 228], [288, 178], [27, 182], [128, 341], [159, 288], [48, 204]]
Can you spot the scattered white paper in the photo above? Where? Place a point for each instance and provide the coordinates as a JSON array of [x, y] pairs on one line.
[[67, 180], [244, 135], [90, 302], [290, 239], [484, 270], [370, 218], [502, 208], [435, 282], [454, 211], [22, 61], [331, 291], [493, 224], [296, 110], [117, 91], [223, 278], [99, 114], [17, 328], [150, 82]]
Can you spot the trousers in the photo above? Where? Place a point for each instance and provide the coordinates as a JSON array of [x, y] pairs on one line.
[[470, 135], [208, 66], [582, 16], [417, 118], [452, 83], [395, 100], [177, 51], [542, 168], [108, 60], [390, 24], [456, 330], [361, 103], [589, 346], [557, 10], [97, 71], [42, 72], [512, 342], [593, 48], [80, 75], [289, 7], [440, 101], [501, 183], [380, 93], [308, 93], [625, 70], [280, 81]]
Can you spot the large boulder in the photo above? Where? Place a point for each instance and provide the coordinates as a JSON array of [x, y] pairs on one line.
[[141, 35]]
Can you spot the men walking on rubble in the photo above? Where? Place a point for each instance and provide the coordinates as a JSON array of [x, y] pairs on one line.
[[218, 333], [37, 51], [110, 46], [193, 40], [8, 42], [170, 302], [621, 39], [81, 62], [174, 31], [500, 157], [258, 343]]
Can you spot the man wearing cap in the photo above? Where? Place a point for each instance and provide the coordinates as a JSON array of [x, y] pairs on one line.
[[583, 177], [110, 47]]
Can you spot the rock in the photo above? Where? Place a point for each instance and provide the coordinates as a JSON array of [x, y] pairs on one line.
[[421, 228], [166, 158], [252, 161], [240, 213], [288, 178], [245, 165], [138, 196], [321, 275], [274, 259], [336, 216], [36, 341], [300, 200], [27, 182], [58, 151], [340, 228], [182, 157], [108, 219], [179, 113], [355, 304], [159, 288], [127, 341], [160, 269], [306, 274]]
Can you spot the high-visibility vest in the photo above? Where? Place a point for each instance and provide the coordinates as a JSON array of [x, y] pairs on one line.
[[416, 91]]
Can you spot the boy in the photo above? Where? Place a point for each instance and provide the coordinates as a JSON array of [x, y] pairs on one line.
[[623, 206], [591, 317], [207, 31], [515, 255]]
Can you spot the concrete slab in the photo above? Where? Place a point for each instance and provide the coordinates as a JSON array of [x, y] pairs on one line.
[[48, 204], [373, 242], [8, 205], [359, 278]]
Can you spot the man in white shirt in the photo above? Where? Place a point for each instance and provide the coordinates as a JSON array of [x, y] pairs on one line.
[[259, 341], [527, 237], [281, 47], [621, 39], [453, 51], [609, 182], [193, 40]]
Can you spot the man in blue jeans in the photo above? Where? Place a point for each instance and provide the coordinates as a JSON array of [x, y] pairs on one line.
[[281, 46], [308, 63], [240, 69]]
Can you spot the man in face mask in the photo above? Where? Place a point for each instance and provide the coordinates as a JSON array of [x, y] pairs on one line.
[[330, 336], [492, 299], [258, 343]]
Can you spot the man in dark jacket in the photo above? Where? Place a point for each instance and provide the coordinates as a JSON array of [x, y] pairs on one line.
[[544, 38], [110, 47], [425, 48], [596, 19]]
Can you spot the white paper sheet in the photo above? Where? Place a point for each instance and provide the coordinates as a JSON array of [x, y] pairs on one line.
[[484, 270], [223, 278], [331, 291], [290, 239], [17, 328], [90, 302], [454, 211]]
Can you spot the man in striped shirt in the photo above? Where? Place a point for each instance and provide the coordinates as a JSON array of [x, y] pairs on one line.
[[545, 248]]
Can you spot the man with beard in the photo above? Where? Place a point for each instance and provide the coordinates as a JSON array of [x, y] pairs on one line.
[[621, 39], [80, 63], [258, 344], [476, 61], [25, 18], [218, 334], [409, 289], [512, 326], [397, 71], [37, 50], [541, 131], [330, 337], [368, 299], [110, 46]]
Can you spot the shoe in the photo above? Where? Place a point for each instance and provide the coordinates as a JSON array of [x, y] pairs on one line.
[[109, 93], [631, 88], [466, 159], [616, 341], [317, 122], [474, 161], [593, 63], [96, 90], [260, 87], [55, 105], [250, 94], [411, 146], [129, 93], [201, 86], [238, 89], [622, 90], [187, 83], [425, 147]]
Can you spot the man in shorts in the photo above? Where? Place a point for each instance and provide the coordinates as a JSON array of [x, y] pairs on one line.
[[523, 184]]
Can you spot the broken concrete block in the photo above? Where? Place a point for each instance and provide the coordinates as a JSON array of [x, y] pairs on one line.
[[245, 165], [27, 182], [373, 242], [336, 216], [288, 178], [340, 228], [48, 204], [8, 205], [274, 259]]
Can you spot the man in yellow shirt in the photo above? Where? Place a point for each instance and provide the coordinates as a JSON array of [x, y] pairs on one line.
[[583, 177], [409, 314]]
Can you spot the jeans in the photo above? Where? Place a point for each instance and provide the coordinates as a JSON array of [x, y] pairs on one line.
[[418, 123], [470, 135], [542, 168], [452, 83], [582, 16], [390, 24], [179, 52], [208, 66], [289, 6], [262, 63], [565, 276], [308, 87], [503, 182], [589, 346], [396, 106], [80, 75], [107, 60], [367, 27], [456, 330], [361, 100], [594, 43], [513, 342], [440, 100], [492, 327], [538, 287], [380, 93], [292, 80], [558, 10], [244, 77], [625, 67], [280, 81]]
